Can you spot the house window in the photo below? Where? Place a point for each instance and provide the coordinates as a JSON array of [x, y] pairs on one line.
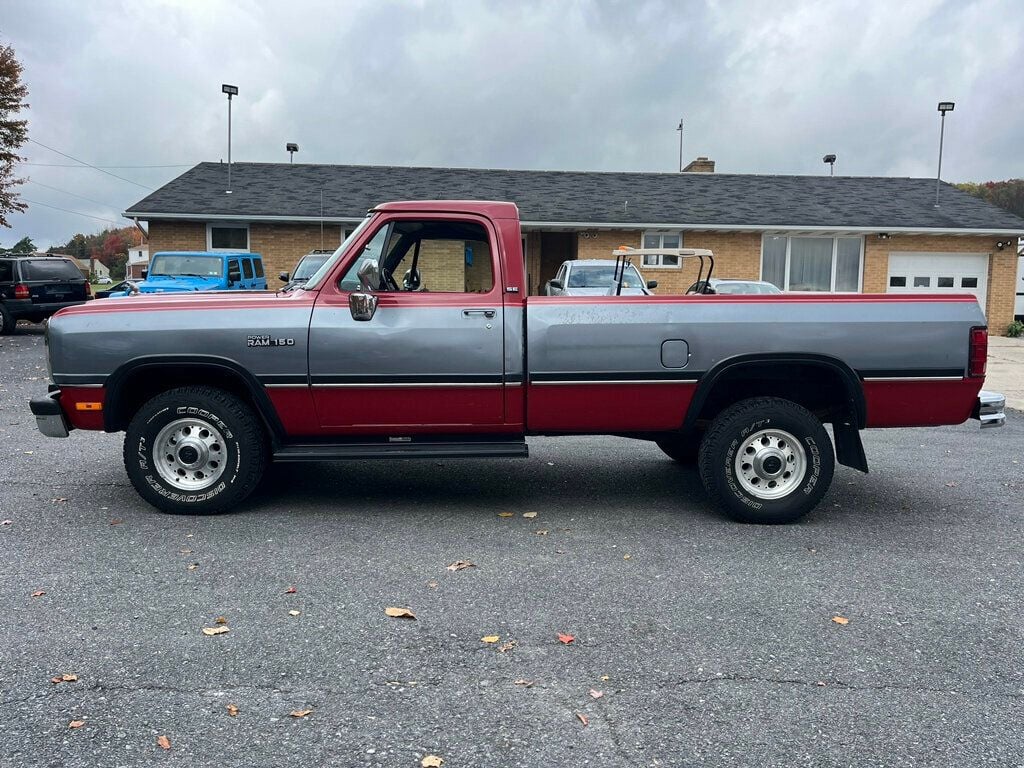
[[825, 264], [224, 237], [662, 240]]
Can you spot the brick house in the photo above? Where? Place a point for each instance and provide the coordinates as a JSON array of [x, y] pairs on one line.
[[807, 233]]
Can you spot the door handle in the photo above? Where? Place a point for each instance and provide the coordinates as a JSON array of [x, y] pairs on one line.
[[488, 313]]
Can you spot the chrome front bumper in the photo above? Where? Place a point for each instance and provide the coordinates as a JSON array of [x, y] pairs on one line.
[[989, 409], [49, 417]]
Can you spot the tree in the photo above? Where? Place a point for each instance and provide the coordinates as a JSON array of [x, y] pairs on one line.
[[25, 245], [1008, 195], [13, 132]]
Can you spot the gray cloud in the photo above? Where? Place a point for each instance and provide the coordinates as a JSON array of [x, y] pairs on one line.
[[764, 87]]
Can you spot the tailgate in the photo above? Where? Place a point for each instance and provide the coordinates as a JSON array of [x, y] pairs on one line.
[[53, 281]]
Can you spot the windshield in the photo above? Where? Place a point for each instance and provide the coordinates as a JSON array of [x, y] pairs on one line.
[[51, 269], [309, 265], [315, 279], [740, 287], [186, 265], [602, 277]]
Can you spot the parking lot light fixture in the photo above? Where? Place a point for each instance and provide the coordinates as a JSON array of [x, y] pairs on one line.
[[831, 160], [291, 148], [944, 107], [230, 90]]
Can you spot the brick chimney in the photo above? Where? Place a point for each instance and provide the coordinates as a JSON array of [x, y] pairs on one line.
[[700, 165]]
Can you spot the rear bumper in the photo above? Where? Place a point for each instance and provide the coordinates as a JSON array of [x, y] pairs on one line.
[[49, 416], [989, 409], [25, 308]]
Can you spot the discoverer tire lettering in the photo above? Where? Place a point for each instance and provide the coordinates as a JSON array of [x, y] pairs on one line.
[[790, 466], [238, 443]]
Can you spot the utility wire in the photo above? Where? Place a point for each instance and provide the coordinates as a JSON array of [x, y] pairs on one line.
[[101, 167], [67, 210], [65, 192], [69, 157]]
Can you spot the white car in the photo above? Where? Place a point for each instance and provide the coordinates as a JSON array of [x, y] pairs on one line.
[[594, 277], [103, 281]]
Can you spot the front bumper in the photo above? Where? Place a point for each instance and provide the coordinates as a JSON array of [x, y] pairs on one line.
[[49, 416], [989, 409]]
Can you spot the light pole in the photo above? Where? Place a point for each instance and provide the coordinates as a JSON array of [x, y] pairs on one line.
[[944, 107], [831, 160], [680, 129], [291, 148], [230, 90]]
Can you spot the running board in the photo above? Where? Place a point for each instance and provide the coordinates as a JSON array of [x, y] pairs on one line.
[[410, 450]]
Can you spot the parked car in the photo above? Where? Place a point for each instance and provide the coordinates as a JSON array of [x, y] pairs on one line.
[[105, 280], [473, 366], [121, 288], [595, 277], [190, 271], [305, 269], [33, 288], [729, 285]]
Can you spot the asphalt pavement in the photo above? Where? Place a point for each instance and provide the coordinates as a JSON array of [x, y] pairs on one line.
[[696, 641]]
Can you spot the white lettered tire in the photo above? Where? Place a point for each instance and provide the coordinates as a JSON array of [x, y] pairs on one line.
[[195, 450], [766, 460]]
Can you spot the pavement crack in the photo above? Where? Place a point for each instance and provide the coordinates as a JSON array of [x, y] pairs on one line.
[[838, 684]]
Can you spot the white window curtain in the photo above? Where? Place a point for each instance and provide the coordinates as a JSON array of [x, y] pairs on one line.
[[815, 264], [810, 264]]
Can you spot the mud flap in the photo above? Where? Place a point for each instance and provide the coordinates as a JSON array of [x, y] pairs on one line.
[[849, 448]]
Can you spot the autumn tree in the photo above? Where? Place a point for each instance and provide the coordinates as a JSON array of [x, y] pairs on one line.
[[13, 132], [1008, 195]]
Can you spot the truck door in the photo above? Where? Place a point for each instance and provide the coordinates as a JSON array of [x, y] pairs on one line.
[[430, 360]]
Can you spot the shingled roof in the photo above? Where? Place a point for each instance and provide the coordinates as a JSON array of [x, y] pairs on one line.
[[285, 192]]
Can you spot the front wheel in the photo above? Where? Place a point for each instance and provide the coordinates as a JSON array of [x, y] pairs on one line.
[[194, 450], [766, 460]]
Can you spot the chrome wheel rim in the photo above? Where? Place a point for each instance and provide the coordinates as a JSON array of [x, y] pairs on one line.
[[189, 454], [770, 464]]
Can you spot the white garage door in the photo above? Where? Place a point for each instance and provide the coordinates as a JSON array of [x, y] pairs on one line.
[[939, 273]]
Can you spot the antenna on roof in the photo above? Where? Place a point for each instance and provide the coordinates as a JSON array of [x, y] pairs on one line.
[[321, 218]]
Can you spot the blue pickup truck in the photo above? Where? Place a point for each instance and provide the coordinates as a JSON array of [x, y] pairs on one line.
[[181, 271]]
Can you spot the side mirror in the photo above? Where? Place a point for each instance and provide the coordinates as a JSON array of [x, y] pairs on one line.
[[369, 276], [362, 305], [283, 277], [652, 284], [556, 284], [145, 274]]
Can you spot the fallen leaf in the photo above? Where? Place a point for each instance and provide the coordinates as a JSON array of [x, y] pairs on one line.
[[508, 646], [300, 712], [432, 584], [232, 710], [541, 533], [184, 551], [596, 694], [461, 565], [70, 678], [76, 723], [490, 639], [627, 557], [164, 742], [840, 620], [116, 521], [524, 683], [38, 593], [563, 638], [215, 630], [291, 591], [951, 485], [506, 514], [432, 761], [820, 683], [294, 613], [529, 515], [605, 678], [59, 500], [220, 620], [6, 522], [582, 718], [193, 566], [400, 613]]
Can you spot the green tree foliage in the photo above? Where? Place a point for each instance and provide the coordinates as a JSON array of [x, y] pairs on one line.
[[1008, 195], [25, 245], [13, 132]]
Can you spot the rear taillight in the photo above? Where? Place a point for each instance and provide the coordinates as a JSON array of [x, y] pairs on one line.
[[978, 356], [21, 292]]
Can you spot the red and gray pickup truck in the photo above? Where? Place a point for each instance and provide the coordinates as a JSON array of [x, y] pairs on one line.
[[416, 339]]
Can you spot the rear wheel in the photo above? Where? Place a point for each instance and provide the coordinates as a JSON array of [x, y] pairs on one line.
[[194, 450], [7, 322], [766, 460]]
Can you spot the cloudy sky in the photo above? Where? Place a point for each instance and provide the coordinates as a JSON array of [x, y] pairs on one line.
[[763, 86]]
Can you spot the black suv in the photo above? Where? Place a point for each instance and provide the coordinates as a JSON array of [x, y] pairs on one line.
[[34, 287]]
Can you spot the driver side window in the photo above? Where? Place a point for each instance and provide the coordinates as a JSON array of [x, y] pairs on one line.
[[427, 256]]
